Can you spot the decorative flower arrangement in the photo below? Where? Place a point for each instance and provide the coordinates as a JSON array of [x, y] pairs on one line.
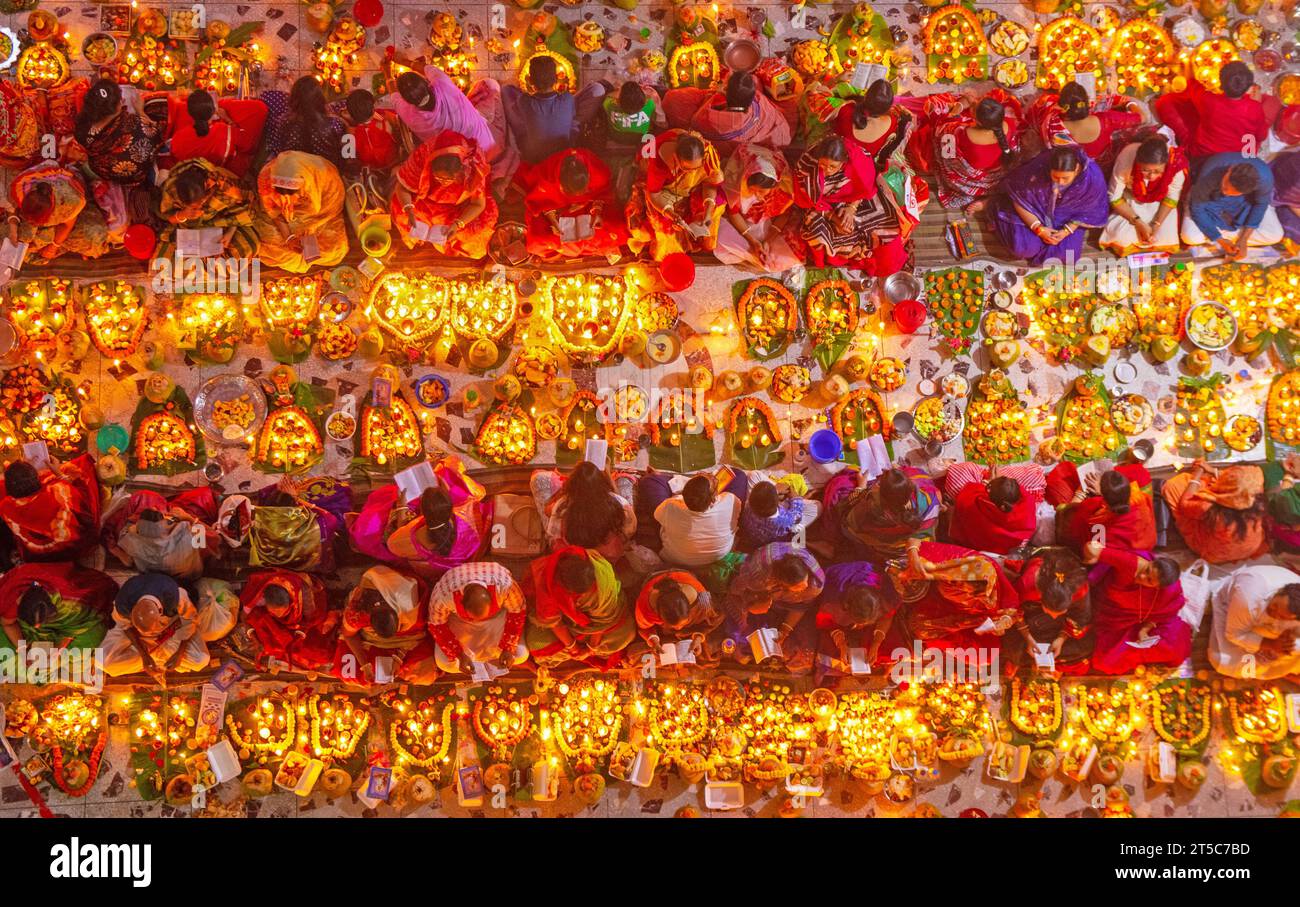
[[162, 439], [40, 310], [863, 726], [956, 301], [338, 724], [774, 718], [587, 314], [678, 716], [1060, 314], [289, 439], [750, 423], [72, 724], [115, 317], [419, 733], [502, 719], [339, 52], [831, 313], [60, 425], [587, 719], [264, 727], [290, 303], [997, 426], [1066, 47], [152, 62], [1108, 713], [1087, 431], [42, 65], [1199, 417], [1036, 708], [391, 434], [1208, 58], [859, 415], [1180, 712], [768, 315], [1142, 54], [410, 308], [955, 45], [482, 308], [1258, 714], [1282, 412], [694, 65], [162, 737], [506, 437]]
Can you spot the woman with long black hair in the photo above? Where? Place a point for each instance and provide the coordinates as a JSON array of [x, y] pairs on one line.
[[121, 142], [299, 121], [968, 144]]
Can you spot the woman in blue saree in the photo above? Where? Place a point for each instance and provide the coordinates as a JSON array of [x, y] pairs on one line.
[[1048, 204]]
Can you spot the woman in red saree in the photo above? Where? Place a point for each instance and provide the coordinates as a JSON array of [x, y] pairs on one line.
[[227, 133], [678, 207], [20, 126], [569, 207], [289, 615], [883, 130], [1056, 611], [53, 513], [1120, 505], [1136, 600], [578, 610], [848, 221], [62, 604], [1070, 118], [997, 516], [443, 185], [968, 145], [950, 592]]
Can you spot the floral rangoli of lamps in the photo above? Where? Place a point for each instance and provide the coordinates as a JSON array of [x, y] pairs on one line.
[[152, 62], [1208, 58], [44, 63], [587, 315], [751, 423], [1161, 307], [768, 316], [1066, 47], [587, 720], [264, 727], [419, 733], [72, 725], [773, 718], [863, 725], [506, 437], [1257, 714], [210, 322], [501, 720], [57, 423], [678, 716], [997, 425], [452, 52], [1142, 54], [391, 434], [952, 35], [1036, 707], [1282, 412], [115, 317], [338, 725], [163, 438], [857, 30], [1109, 715], [40, 310], [694, 60], [290, 302], [162, 736], [580, 421], [226, 57], [859, 415], [482, 309], [411, 309], [1181, 712], [289, 440], [332, 58]]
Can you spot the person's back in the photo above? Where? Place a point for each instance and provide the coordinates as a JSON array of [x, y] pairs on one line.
[[541, 122], [698, 528], [1228, 117]]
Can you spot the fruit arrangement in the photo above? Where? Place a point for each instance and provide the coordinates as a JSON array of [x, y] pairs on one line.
[[1011, 73], [955, 46], [937, 419], [1009, 38], [506, 437], [1282, 413], [536, 366], [790, 383], [1132, 413], [1086, 431], [859, 415], [1142, 55], [767, 315], [997, 426], [588, 36], [1199, 418], [956, 301], [1066, 47], [163, 439], [391, 434], [289, 440], [336, 341], [23, 389], [888, 373], [1114, 321], [812, 59], [1243, 433], [1211, 326]]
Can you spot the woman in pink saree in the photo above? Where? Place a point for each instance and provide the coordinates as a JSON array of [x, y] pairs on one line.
[[450, 526]]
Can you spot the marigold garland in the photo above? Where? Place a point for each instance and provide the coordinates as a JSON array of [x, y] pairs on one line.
[[767, 313], [1107, 713], [401, 735], [276, 443], [830, 309], [262, 710], [748, 406], [1027, 713], [1173, 709], [1258, 714], [92, 764], [330, 747], [865, 403], [502, 720], [163, 438]]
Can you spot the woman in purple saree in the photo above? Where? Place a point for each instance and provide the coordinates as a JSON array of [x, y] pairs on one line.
[[449, 527], [1048, 204]]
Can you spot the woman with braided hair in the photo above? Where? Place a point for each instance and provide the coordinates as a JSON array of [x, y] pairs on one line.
[[968, 144]]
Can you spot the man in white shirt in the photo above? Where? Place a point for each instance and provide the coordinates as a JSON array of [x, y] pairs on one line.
[[1256, 623], [699, 527]]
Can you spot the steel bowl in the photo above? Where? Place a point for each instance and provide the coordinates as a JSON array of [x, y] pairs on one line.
[[902, 285], [1004, 279], [742, 55]]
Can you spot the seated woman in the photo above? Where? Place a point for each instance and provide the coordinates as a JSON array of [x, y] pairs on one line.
[[1282, 481], [995, 516], [373, 131], [883, 129], [225, 133], [847, 220], [1070, 118], [64, 604], [51, 213], [674, 605], [442, 198], [968, 145], [853, 612], [295, 523], [773, 513], [21, 126], [1256, 623], [300, 213], [1145, 186], [776, 586], [739, 114], [578, 610], [1055, 611], [449, 526], [53, 513], [585, 511], [199, 195], [1135, 605], [569, 207], [1118, 502], [759, 196], [1048, 204], [881, 517], [159, 628], [678, 207], [300, 121], [384, 618], [290, 617], [477, 614], [121, 142], [953, 597], [1220, 513], [153, 535]]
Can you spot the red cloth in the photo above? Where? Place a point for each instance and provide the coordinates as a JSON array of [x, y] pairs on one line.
[[1121, 606], [281, 639], [934, 610], [1156, 192], [1111, 121], [551, 599], [978, 523], [94, 590], [226, 145], [199, 504], [377, 146], [1207, 123], [1134, 531], [61, 521], [543, 195]]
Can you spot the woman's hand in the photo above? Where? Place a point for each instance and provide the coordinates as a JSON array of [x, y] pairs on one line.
[[1144, 231]]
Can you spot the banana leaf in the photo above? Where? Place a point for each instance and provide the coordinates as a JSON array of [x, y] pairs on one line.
[[696, 452], [1195, 449]]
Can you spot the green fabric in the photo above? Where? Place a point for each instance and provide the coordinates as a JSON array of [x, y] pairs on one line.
[[85, 627]]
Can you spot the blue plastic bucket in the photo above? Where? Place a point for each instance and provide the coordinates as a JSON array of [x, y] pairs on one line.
[[825, 446]]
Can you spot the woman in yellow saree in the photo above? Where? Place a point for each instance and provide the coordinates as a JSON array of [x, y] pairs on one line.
[[300, 196], [678, 207]]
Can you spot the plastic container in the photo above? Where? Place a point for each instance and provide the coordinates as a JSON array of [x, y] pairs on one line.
[[724, 795], [824, 446]]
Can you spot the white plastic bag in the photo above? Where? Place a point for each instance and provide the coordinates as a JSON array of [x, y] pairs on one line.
[[1197, 587]]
